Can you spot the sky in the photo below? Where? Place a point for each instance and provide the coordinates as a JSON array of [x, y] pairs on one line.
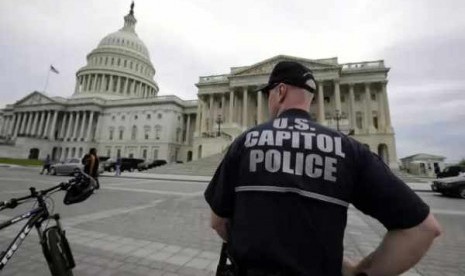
[[422, 41]]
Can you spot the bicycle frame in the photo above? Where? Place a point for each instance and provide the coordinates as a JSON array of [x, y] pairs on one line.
[[37, 216]]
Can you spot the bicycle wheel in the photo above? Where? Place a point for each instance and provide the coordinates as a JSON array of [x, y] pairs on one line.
[[60, 259]]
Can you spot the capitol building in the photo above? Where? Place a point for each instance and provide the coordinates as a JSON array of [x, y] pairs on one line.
[[115, 107]]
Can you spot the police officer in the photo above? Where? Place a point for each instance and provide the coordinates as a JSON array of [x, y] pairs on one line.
[[280, 196]]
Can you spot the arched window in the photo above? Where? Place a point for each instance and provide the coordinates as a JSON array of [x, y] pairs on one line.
[[134, 133]]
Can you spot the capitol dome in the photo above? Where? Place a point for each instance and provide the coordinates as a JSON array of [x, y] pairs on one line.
[[119, 67]]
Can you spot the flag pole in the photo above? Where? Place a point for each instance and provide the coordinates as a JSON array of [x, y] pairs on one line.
[[46, 80]]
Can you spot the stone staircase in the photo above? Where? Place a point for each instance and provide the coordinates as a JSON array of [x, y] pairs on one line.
[[205, 167], [410, 178]]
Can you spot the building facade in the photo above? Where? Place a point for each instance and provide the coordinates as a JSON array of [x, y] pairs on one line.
[[350, 97], [115, 108]]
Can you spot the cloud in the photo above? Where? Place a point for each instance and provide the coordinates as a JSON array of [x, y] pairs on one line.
[[421, 40]]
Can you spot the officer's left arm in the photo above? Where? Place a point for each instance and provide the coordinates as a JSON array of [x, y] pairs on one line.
[[220, 192], [219, 224]]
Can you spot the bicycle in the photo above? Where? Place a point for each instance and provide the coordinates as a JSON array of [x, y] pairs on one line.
[[55, 246]]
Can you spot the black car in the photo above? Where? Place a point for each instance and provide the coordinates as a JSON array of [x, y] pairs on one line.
[[157, 163], [450, 171], [130, 164], [450, 186]]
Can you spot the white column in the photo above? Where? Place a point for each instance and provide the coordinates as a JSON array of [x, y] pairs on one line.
[[51, 133], [352, 106], [34, 124], [321, 102], [126, 84], [204, 115], [40, 127], [76, 124], [188, 129], [118, 84], [29, 123], [98, 131], [386, 108], [23, 125], [245, 100], [198, 117], [260, 107], [337, 95], [211, 115], [16, 125], [83, 122], [368, 113], [63, 125], [110, 86], [89, 126], [223, 112], [68, 131], [76, 88], [133, 88], [48, 117], [231, 105], [381, 111]]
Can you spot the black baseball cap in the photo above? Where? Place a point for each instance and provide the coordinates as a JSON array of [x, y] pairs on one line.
[[292, 73]]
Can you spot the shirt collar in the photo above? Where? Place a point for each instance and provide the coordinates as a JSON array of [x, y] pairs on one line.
[[294, 112]]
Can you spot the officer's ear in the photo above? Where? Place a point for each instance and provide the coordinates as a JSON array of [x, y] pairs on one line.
[[282, 92]]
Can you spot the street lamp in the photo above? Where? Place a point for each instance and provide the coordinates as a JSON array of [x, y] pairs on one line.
[[219, 121], [338, 117]]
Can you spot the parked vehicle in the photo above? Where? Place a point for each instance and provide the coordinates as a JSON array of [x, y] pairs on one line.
[[157, 163], [109, 165], [130, 164], [451, 171], [67, 167], [143, 166], [450, 186]]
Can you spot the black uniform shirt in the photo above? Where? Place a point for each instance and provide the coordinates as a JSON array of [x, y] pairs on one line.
[[286, 186]]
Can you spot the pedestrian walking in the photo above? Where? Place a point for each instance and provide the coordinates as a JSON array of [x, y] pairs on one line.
[[46, 165], [91, 165], [118, 166], [281, 194]]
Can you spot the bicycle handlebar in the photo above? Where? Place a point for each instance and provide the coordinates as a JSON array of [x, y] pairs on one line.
[[14, 202]]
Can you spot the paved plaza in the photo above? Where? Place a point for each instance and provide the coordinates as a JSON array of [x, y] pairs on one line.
[[160, 226]]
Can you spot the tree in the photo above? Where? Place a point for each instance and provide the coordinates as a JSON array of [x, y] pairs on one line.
[[462, 162]]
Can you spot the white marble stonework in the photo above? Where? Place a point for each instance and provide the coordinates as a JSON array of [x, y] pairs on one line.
[[115, 107]]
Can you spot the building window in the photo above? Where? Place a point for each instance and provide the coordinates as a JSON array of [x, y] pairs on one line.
[[159, 116], [123, 118], [157, 132], [178, 134], [121, 134], [112, 61], [357, 97], [134, 132], [113, 117], [125, 63], [118, 153], [375, 119], [110, 135], [359, 120], [144, 154], [327, 99], [135, 117], [108, 152], [119, 62], [179, 118], [343, 99], [373, 96], [155, 154], [149, 116]]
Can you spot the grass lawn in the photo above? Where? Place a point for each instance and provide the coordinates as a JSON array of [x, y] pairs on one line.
[[22, 162]]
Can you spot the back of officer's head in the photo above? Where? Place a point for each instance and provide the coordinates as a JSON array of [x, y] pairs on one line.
[[291, 85]]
